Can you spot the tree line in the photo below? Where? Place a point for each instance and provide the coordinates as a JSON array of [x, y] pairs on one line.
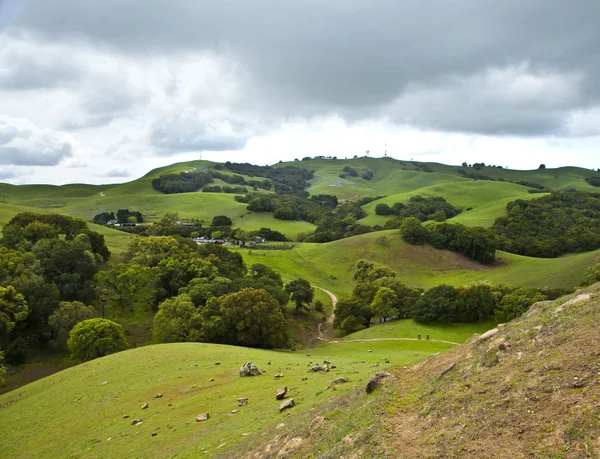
[[422, 208], [379, 296], [58, 289]]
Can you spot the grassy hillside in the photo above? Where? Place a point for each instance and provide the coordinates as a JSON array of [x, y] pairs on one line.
[[396, 179], [330, 265], [485, 200], [80, 411]]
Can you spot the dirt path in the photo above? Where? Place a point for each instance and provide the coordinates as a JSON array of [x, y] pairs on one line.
[[330, 319], [393, 339]]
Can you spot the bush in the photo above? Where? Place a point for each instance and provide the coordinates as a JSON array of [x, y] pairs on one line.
[[413, 232], [95, 338], [221, 220], [383, 209]]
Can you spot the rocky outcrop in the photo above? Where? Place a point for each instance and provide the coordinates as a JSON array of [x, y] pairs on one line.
[[376, 379]]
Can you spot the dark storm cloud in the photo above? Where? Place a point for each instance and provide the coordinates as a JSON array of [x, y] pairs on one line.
[[362, 58]]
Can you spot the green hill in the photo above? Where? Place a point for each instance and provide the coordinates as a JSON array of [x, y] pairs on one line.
[[487, 200], [81, 411], [331, 264], [395, 179]]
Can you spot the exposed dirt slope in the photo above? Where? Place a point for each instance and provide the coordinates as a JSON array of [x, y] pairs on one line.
[[530, 390]]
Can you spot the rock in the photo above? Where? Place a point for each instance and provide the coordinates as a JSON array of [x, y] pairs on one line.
[[536, 308], [217, 363], [211, 379], [158, 396], [249, 369], [235, 411], [202, 417], [369, 350], [278, 376], [375, 380], [337, 381], [154, 434], [145, 405], [287, 404], [448, 370], [136, 421], [317, 368], [281, 393], [289, 447], [325, 362], [316, 423], [269, 362], [487, 335], [304, 379], [126, 416], [572, 302], [242, 401], [308, 355], [105, 383]]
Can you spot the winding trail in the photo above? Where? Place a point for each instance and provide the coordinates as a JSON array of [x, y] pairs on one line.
[[331, 318]]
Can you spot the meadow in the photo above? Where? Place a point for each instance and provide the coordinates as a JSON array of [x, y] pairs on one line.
[[87, 404]]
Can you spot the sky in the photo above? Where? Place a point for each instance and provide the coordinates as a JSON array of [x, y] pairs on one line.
[[102, 91]]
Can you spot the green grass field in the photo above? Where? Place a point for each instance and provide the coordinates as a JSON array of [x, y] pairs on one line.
[[80, 411], [409, 329], [486, 200], [330, 265]]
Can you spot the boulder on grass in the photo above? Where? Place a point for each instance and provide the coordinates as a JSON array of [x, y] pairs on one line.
[[287, 404], [249, 369], [281, 393], [376, 379]]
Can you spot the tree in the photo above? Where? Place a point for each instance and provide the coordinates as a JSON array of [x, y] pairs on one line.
[[542, 167], [149, 251], [383, 209], [13, 309], [173, 320], [284, 213], [514, 304], [67, 315], [476, 302], [438, 304], [253, 318], [349, 316], [368, 271], [127, 285], [413, 232], [221, 220], [95, 338], [383, 303], [301, 293]]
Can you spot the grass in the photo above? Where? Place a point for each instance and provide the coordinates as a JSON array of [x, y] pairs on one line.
[[408, 328], [330, 265], [487, 200], [85, 417]]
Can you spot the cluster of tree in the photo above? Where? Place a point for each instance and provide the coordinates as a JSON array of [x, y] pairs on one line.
[[225, 189], [379, 296], [122, 216], [184, 182], [562, 222], [285, 179], [368, 199], [594, 181], [478, 301], [476, 242], [265, 184], [46, 262], [367, 175], [424, 209]]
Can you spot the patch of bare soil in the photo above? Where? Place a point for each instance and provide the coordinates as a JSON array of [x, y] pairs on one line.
[[532, 389]]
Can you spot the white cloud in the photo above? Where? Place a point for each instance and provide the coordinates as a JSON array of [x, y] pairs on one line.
[[24, 143]]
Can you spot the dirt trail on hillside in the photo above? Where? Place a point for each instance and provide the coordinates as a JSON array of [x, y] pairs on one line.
[[330, 319]]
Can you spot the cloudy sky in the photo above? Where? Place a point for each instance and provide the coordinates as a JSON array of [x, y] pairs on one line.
[[102, 91]]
